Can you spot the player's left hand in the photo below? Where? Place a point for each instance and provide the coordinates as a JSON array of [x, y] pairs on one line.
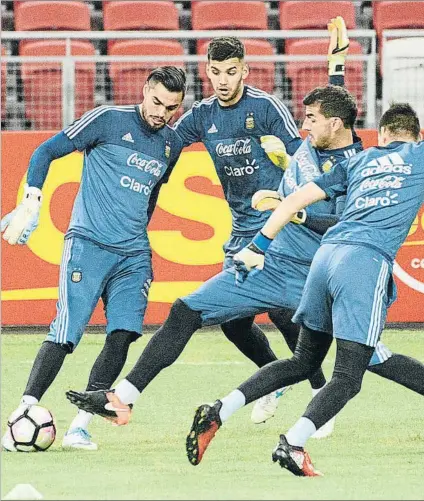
[[338, 46], [276, 151], [22, 221], [248, 259]]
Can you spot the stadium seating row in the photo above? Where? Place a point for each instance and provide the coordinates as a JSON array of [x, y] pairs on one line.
[[208, 15], [128, 77]]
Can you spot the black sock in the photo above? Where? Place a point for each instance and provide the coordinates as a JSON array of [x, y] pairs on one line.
[[352, 360], [250, 340], [111, 360], [166, 345], [45, 368], [309, 354], [402, 370], [281, 318]]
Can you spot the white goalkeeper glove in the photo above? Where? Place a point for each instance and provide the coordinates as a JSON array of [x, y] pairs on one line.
[[22, 221], [276, 151], [251, 257], [266, 200], [338, 47]]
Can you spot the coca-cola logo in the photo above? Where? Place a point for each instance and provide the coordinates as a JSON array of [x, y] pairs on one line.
[[239, 147], [152, 166], [385, 183]]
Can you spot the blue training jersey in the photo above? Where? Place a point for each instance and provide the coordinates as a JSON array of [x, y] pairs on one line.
[[384, 189], [295, 241], [124, 159], [232, 137]]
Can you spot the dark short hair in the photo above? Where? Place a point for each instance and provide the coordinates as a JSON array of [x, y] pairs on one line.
[[223, 48], [171, 77], [401, 118], [334, 101]]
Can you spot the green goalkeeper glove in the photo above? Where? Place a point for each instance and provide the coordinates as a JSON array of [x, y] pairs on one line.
[[338, 47], [276, 151], [21, 222]]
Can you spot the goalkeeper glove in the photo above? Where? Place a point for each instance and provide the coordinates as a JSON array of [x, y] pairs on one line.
[[251, 257], [276, 151], [338, 47], [21, 222], [266, 200]]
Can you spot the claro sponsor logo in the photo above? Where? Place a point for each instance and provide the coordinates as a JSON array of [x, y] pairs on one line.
[[309, 170], [133, 185], [240, 147], [151, 166], [382, 201], [246, 170]]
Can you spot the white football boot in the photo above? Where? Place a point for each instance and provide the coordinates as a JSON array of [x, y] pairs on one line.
[[78, 438], [265, 407], [7, 442]]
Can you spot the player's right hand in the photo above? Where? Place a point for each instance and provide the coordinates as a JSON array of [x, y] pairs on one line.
[[276, 151], [22, 221], [266, 200], [338, 46], [248, 259]]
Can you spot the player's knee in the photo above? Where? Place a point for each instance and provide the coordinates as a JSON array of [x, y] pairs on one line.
[[306, 366], [236, 329], [349, 382], [67, 347], [181, 312], [281, 316], [120, 338]]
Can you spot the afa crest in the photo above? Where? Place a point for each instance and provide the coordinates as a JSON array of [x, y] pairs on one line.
[[250, 121], [76, 276], [167, 150], [328, 164]]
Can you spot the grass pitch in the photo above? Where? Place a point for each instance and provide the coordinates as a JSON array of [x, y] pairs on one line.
[[376, 451]]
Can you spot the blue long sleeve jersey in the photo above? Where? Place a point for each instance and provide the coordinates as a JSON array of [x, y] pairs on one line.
[[125, 163], [232, 137], [384, 189]]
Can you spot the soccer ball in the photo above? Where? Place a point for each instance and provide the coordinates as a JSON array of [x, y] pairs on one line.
[[30, 429]]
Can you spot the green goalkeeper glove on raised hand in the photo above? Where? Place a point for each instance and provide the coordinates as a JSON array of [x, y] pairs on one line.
[[338, 47], [21, 222], [276, 151]]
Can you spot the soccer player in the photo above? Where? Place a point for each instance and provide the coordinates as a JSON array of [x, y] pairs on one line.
[[235, 126], [129, 152], [385, 189]]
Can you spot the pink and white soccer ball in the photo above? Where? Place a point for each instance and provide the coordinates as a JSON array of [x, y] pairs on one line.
[[30, 429]]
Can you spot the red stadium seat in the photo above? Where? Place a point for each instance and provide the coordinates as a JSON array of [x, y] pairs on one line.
[[209, 15], [42, 82], [52, 15], [3, 84], [130, 15], [386, 17], [305, 15], [306, 75], [397, 15], [311, 15], [149, 15], [129, 78], [262, 74]]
